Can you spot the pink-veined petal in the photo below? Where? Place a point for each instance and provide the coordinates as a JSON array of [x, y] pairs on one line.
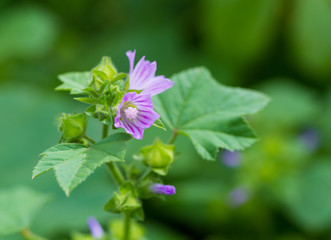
[[142, 73], [157, 85], [131, 56], [145, 117]]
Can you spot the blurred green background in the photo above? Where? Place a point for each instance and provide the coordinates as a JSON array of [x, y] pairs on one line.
[[278, 189]]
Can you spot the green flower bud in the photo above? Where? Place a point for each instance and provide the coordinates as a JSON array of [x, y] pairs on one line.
[[159, 156], [101, 73], [73, 126], [124, 201], [106, 66]]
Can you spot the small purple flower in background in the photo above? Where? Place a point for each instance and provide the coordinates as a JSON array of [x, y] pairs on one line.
[[163, 189], [238, 196], [142, 76], [231, 159], [310, 138], [135, 113], [95, 228]]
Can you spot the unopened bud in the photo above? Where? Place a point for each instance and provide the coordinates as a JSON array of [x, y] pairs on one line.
[[73, 126], [163, 189], [158, 155], [106, 66]]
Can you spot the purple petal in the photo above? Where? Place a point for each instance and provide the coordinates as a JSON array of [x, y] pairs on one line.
[[143, 71], [142, 77], [136, 131], [95, 227], [163, 189], [128, 96], [142, 101], [131, 56], [145, 117], [157, 85]]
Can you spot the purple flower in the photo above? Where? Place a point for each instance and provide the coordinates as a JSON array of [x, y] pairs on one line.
[[95, 228], [142, 76], [163, 189], [310, 138], [231, 159], [238, 196], [135, 113]]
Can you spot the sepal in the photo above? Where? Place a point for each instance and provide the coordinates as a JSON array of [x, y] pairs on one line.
[[159, 124], [125, 201]]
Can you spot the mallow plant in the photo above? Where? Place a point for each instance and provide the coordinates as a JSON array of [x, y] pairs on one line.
[[191, 103]]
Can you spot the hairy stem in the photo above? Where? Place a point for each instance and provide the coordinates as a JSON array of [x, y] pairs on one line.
[[174, 136], [89, 139], [28, 235], [127, 227], [116, 173], [119, 179], [104, 131]]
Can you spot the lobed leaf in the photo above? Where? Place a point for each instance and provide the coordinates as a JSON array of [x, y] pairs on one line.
[[208, 113], [73, 162], [75, 82]]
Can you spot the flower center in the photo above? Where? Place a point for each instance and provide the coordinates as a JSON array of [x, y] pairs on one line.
[[131, 113]]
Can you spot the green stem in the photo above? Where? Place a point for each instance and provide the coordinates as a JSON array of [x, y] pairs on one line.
[[28, 235], [147, 171], [127, 227], [104, 131], [119, 179], [174, 136], [116, 172], [89, 139]]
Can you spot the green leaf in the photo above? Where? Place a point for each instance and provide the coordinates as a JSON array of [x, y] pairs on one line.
[[110, 149], [92, 92], [17, 207], [100, 75], [87, 100], [210, 122], [159, 124], [73, 163], [75, 82]]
